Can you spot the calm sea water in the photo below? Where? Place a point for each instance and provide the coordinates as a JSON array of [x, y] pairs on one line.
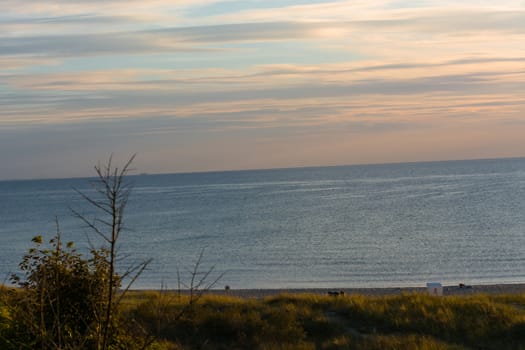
[[334, 227]]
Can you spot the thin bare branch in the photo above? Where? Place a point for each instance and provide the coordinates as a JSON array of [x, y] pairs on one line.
[[90, 224], [100, 205], [141, 269]]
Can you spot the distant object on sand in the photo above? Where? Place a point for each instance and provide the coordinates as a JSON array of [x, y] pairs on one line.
[[336, 293], [435, 288]]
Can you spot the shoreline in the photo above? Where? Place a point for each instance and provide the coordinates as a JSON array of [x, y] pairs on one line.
[[492, 289]]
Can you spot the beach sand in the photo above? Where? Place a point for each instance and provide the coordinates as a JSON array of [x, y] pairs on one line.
[[447, 290]]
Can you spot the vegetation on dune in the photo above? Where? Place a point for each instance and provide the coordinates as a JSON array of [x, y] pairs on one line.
[[412, 321], [62, 297], [66, 300], [69, 301]]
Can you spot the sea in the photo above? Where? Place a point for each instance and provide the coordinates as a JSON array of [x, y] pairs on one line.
[[387, 225]]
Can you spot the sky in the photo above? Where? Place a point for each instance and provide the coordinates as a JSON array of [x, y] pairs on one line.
[[200, 85]]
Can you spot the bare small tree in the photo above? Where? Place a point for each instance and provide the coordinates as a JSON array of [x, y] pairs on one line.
[[70, 302], [112, 190]]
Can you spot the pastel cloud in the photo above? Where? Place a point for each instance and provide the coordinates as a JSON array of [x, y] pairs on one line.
[[278, 91], [210, 74]]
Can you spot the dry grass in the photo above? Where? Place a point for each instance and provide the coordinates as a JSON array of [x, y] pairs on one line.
[[411, 321], [313, 321]]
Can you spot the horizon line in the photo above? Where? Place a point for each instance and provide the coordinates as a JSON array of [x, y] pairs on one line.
[[272, 169]]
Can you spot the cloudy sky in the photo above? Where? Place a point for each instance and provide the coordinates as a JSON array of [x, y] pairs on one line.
[[197, 85]]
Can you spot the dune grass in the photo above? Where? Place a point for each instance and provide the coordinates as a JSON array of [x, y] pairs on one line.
[[411, 321], [309, 321]]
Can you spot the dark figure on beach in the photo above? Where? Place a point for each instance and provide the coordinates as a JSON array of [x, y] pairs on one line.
[[336, 293]]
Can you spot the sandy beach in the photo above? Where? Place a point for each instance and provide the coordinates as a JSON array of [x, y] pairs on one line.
[[447, 290]]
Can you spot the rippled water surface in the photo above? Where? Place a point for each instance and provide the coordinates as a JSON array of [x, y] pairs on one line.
[[355, 226]]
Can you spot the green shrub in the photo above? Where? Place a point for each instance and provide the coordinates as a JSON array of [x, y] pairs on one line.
[[5, 326], [62, 296]]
